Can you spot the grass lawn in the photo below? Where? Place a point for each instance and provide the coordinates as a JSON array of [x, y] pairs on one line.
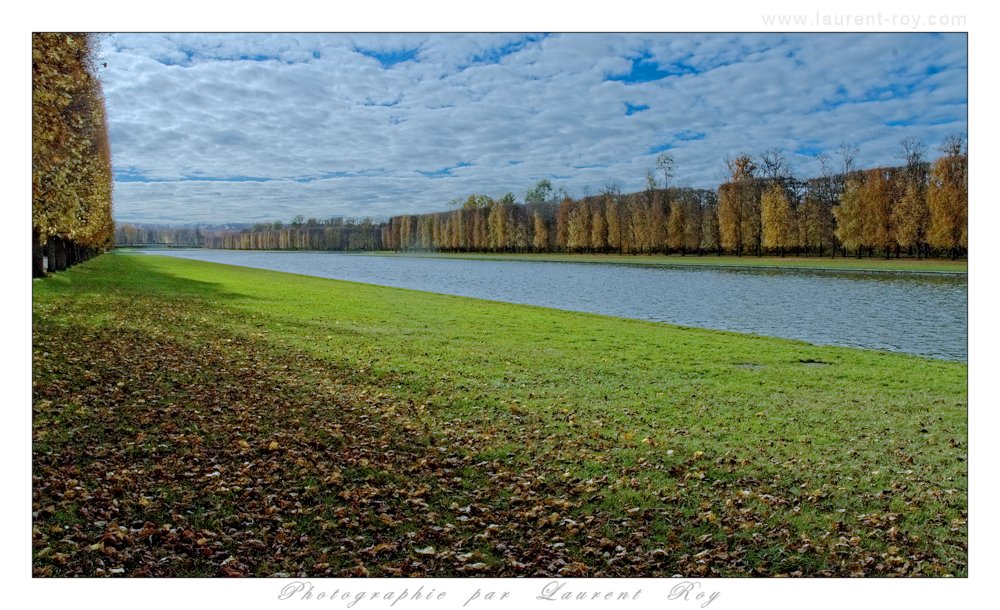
[[200, 419], [710, 260]]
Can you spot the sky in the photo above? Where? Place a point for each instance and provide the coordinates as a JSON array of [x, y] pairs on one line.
[[216, 128]]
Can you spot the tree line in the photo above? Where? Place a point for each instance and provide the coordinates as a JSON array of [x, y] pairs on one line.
[[71, 178], [918, 208], [336, 233], [129, 234]]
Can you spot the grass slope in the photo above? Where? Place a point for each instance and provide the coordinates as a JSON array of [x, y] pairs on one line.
[[907, 265], [201, 419]]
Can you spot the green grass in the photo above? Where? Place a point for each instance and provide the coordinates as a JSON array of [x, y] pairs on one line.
[[695, 451], [909, 265]]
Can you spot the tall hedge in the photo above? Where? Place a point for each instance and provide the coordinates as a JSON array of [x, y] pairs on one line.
[[70, 153]]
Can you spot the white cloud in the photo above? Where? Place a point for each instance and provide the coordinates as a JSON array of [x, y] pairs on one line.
[[193, 116]]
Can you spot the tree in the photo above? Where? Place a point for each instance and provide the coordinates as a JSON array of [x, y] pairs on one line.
[[953, 145], [910, 213], [848, 157], [816, 217], [776, 212], [497, 222], [562, 223], [710, 224], [666, 166], [612, 196], [540, 193], [912, 151], [948, 200], [613, 218], [849, 217], [598, 229], [815, 224], [658, 223], [739, 207], [540, 240], [773, 164], [877, 199], [730, 214], [741, 167], [70, 153], [675, 225], [579, 228], [692, 222]]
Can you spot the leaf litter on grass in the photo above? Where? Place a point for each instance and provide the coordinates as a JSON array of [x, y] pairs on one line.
[[163, 446]]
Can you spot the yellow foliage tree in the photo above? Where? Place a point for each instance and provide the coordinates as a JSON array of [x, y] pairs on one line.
[[948, 203], [71, 179], [776, 213]]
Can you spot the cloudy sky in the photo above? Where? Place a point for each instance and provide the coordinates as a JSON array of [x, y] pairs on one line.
[[249, 127]]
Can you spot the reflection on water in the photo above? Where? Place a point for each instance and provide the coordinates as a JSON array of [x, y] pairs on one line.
[[921, 314]]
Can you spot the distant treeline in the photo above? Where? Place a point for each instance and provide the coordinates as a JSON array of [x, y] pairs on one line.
[[299, 234], [915, 209], [127, 234], [70, 154], [303, 234]]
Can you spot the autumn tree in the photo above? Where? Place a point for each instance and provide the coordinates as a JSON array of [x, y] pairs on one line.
[[877, 198], [849, 216], [692, 222], [578, 229], [70, 153], [776, 212], [948, 202], [815, 224], [612, 215], [598, 229], [562, 223], [710, 224], [540, 239], [737, 227], [675, 225]]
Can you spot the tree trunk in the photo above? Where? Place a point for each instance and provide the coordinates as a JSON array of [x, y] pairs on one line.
[[37, 263], [50, 254], [60, 254]]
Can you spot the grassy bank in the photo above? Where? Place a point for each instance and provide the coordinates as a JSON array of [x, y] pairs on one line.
[[201, 419], [908, 265]]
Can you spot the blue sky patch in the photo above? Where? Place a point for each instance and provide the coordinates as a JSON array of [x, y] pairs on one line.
[[444, 171], [631, 109], [495, 55], [689, 136], [808, 150], [645, 70], [389, 58]]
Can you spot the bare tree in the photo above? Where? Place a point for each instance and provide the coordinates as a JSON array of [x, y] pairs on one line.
[[912, 151], [953, 145], [773, 164], [665, 164], [825, 164], [848, 157]]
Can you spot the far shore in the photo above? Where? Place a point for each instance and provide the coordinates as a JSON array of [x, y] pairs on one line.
[[909, 265], [840, 263]]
